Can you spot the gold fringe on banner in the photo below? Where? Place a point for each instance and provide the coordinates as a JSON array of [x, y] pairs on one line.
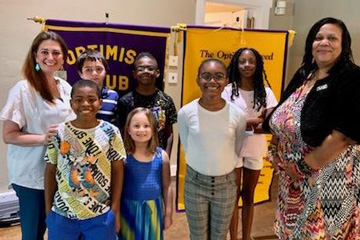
[[292, 34]]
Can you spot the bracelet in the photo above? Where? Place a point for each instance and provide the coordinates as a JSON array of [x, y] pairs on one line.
[[272, 150], [304, 168]]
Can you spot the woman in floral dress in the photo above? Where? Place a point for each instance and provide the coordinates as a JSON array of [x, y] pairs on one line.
[[315, 151]]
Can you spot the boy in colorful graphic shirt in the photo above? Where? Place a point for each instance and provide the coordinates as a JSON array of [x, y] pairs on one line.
[[84, 172]]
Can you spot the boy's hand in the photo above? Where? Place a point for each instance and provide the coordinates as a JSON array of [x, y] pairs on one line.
[[167, 222]]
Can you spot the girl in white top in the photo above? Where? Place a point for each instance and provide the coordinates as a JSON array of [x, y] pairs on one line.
[[211, 131], [247, 91], [33, 108]]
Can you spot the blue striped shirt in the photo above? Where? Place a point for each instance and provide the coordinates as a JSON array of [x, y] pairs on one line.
[[107, 111]]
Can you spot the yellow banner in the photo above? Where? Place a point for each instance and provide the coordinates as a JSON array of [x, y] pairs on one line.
[[202, 43]]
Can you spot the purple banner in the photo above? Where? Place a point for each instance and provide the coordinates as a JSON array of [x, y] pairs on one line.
[[119, 43]]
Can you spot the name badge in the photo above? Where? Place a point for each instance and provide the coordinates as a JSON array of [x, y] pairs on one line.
[[322, 87]]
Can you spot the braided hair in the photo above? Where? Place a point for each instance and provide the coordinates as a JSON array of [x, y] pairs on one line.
[[259, 76]]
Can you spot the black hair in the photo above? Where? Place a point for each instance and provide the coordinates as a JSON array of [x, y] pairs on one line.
[[259, 77], [92, 55], [144, 54], [86, 83], [308, 65], [211, 60]]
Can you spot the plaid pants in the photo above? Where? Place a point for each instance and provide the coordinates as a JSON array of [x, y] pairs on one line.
[[209, 204]]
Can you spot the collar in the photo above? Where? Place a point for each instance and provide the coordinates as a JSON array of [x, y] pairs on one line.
[[104, 92]]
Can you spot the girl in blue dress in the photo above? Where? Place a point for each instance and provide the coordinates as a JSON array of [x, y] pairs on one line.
[[146, 204]]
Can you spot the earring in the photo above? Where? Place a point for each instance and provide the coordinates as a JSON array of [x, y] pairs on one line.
[[37, 67]]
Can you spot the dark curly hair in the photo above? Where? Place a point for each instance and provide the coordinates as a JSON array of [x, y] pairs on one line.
[[259, 76], [308, 65]]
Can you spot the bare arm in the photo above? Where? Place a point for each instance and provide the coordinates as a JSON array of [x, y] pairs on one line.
[[257, 122], [117, 178], [50, 186], [167, 190], [169, 139], [331, 147], [13, 135]]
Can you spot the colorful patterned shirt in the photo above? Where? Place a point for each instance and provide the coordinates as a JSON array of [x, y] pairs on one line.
[[83, 158]]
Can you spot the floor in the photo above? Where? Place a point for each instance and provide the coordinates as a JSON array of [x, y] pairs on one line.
[[262, 225]]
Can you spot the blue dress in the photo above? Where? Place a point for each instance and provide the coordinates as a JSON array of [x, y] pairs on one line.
[[142, 202]]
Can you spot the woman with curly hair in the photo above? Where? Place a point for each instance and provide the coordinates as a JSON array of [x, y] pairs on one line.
[[246, 90]]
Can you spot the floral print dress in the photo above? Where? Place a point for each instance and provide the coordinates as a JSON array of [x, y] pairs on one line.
[[329, 207]]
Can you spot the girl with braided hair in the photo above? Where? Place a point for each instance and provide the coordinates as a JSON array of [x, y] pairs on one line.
[[247, 91]]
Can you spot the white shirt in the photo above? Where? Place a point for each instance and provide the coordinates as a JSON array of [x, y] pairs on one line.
[[255, 145], [211, 140], [33, 115]]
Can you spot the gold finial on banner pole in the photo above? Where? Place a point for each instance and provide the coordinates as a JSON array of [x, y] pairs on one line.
[[40, 20], [37, 19], [179, 27]]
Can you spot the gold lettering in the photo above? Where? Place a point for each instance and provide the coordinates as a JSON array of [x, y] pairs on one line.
[[130, 56], [92, 47], [111, 51], [79, 50], [71, 58], [110, 84], [121, 55], [123, 83]]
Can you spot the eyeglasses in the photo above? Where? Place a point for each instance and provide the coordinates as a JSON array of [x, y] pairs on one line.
[[208, 76], [142, 68]]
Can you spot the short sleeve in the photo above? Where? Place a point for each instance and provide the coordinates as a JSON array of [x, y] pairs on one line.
[[117, 149], [225, 94], [346, 103], [271, 101], [171, 113], [14, 108], [52, 150], [183, 128]]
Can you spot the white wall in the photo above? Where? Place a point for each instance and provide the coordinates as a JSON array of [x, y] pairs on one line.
[[17, 34], [260, 10]]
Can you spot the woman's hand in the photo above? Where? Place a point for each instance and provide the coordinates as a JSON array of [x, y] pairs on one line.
[[12, 134], [50, 133]]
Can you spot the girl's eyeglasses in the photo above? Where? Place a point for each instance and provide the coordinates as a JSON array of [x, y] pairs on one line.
[[208, 76]]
